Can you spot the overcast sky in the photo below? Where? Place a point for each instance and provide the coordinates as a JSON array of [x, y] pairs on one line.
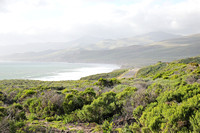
[[27, 21]]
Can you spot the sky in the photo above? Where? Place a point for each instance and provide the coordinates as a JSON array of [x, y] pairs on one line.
[[32, 21]]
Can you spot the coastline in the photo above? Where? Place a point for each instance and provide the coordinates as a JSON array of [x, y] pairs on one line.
[[52, 71]]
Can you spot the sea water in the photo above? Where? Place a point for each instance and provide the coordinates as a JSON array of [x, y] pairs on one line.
[[51, 71]]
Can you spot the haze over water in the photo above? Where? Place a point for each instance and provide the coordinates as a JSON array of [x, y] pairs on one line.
[[51, 71]]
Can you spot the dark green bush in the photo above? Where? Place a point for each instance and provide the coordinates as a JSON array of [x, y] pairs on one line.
[[72, 102], [88, 95], [107, 82], [103, 107]]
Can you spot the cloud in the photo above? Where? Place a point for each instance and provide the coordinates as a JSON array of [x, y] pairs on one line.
[[64, 20], [2, 6]]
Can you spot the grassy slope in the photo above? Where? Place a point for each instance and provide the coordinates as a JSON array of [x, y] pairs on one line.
[[112, 74]]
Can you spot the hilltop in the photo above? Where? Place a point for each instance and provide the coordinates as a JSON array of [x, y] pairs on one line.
[[86, 43], [136, 49], [137, 55]]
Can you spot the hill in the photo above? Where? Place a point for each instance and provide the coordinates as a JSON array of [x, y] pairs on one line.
[[163, 97], [136, 55], [86, 43], [136, 40]]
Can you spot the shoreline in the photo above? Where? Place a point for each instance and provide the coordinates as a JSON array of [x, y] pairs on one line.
[[60, 71]]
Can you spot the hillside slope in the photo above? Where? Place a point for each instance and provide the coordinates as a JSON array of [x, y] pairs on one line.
[[166, 50], [161, 98], [86, 43]]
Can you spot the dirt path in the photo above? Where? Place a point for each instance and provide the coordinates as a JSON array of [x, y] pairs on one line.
[[129, 74]]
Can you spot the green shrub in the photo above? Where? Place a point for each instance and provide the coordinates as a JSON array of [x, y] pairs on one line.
[[120, 87], [159, 75], [127, 92], [107, 127], [88, 95], [26, 93], [72, 102], [107, 82], [2, 96], [103, 107], [138, 112], [3, 111], [19, 124], [18, 106], [135, 127], [32, 116], [126, 129], [195, 122], [49, 119]]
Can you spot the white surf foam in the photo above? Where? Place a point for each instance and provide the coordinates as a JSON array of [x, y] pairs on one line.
[[76, 74]]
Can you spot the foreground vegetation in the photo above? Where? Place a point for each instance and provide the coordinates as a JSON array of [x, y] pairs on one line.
[[164, 97]]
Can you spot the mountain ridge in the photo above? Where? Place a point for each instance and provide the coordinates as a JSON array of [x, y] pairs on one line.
[[166, 50], [86, 43]]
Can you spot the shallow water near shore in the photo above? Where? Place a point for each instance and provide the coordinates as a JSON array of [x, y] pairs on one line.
[[51, 71]]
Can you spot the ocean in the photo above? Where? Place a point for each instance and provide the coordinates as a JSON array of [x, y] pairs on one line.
[[51, 71]]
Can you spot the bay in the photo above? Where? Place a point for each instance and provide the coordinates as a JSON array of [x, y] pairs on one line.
[[51, 71]]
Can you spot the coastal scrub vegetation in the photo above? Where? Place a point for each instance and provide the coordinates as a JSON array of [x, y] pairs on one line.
[[164, 97]]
